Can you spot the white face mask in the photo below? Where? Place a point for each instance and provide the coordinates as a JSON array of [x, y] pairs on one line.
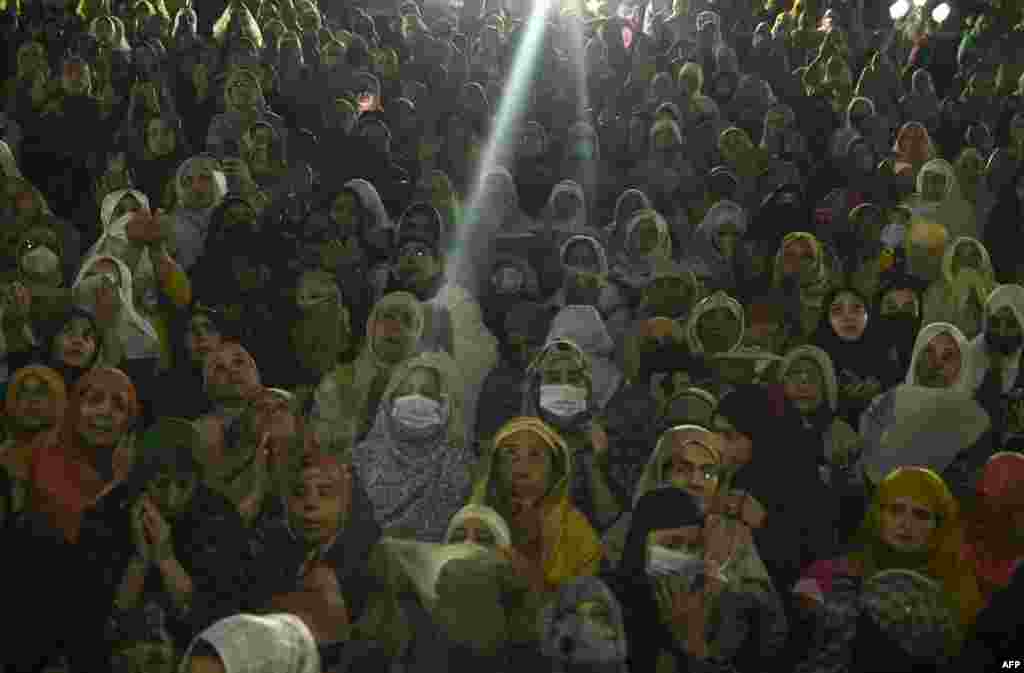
[[417, 415], [563, 401], [665, 562], [40, 261]]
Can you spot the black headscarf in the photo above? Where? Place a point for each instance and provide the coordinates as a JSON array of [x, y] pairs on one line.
[[783, 211], [894, 336], [54, 329], [1003, 234], [647, 636], [861, 356]]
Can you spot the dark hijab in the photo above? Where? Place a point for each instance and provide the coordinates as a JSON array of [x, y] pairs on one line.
[[647, 636], [54, 330], [861, 357]]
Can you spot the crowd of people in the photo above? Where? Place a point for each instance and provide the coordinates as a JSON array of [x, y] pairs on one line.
[[572, 337]]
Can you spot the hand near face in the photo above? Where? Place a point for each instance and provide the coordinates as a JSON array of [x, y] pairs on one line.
[[108, 306], [139, 537], [157, 530]]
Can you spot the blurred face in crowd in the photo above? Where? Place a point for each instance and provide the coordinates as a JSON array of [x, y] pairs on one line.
[[161, 138], [939, 364], [797, 257], [692, 467], [907, 525], [738, 448], [103, 417], [76, 79], [804, 385], [967, 256], [76, 344], [198, 187], [36, 404], [201, 338], [933, 187], [526, 464], [718, 330], [475, 530], [581, 255], [417, 264], [171, 490], [231, 374], [393, 333], [318, 503], [902, 300], [848, 316]]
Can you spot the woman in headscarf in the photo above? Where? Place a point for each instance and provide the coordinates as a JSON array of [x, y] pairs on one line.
[[93, 453], [941, 359], [200, 186], [797, 530], [35, 407], [801, 274], [584, 629], [347, 398], [526, 478], [1003, 233], [583, 326], [809, 383], [993, 541], [715, 326], [974, 185], [585, 255], [733, 620], [646, 242], [561, 388], [145, 528], [282, 641], [72, 344], [938, 198], [843, 334], [416, 461], [130, 341], [895, 325], [922, 104], [913, 148], [566, 212], [718, 258], [959, 296], [747, 161], [196, 333], [164, 147], [628, 204], [913, 524]]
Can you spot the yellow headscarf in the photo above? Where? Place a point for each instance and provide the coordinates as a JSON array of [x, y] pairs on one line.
[[941, 557]]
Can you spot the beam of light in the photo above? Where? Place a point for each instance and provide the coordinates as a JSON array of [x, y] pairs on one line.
[[577, 56], [501, 145]]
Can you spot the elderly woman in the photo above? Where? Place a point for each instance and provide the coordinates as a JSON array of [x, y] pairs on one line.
[[415, 462], [561, 389], [201, 186], [685, 610], [526, 479], [346, 401], [913, 524]]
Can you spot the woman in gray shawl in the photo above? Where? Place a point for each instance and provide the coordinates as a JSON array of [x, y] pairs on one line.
[[415, 462]]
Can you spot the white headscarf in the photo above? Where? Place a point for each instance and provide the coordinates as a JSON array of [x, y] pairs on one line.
[[276, 643], [924, 337], [118, 229], [138, 335]]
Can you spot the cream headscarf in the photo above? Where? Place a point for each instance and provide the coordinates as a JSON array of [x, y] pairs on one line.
[[965, 379], [132, 325]]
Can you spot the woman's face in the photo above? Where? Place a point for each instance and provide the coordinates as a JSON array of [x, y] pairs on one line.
[[526, 464], [718, 330], [691, 468], [848, 316], [76, 80], [939, 365], [103, 417], [907, 524], [475, 530], [393, 332], [738, 448], [198, 188], [75, 346], [683, 537], [35, 408], [804, 385], [581, 255], [201, 338], [160, 138]]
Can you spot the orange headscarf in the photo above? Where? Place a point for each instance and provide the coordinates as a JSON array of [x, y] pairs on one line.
[[21, 453], [992, 544], [63, 479]]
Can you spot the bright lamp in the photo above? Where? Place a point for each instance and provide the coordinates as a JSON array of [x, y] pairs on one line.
[[899, 9], [941, 13]]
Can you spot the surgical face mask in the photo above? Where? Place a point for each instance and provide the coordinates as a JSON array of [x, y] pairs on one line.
[[417, 416], [563, 401], [681, 563], [40, 261]]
